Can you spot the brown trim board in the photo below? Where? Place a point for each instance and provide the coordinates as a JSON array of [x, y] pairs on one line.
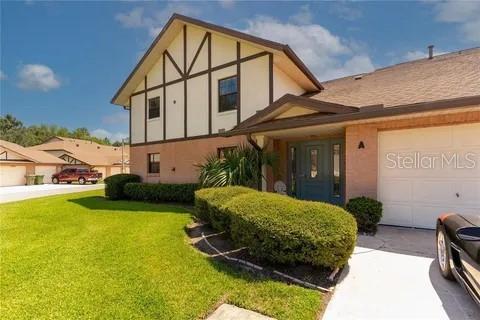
[[205, 136], [146, 109], [185, 81], [270, 78], [239, 80], [209, 83], [164, 99], [368, 113]]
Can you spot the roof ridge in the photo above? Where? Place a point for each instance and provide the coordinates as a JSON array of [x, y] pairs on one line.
[[443, 56]]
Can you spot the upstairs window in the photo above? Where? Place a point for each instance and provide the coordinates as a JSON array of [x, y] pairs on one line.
[[154, 108], [227, 94], [154, 163]]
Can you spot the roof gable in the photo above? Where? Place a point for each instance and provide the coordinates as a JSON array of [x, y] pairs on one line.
[[291, 106], [36, 156], [283, 55]]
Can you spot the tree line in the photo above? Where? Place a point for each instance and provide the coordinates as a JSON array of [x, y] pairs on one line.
[[13, 130]]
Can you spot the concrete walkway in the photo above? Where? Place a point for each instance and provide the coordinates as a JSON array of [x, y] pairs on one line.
[[17, 193], [229, 312], [394, 275]]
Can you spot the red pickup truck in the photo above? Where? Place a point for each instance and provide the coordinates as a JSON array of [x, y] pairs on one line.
[[74, 174]]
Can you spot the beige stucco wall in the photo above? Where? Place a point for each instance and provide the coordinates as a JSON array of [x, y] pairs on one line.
[[177, 159], [138, 118], [254, 82], [197, 106], [283, 84], [175, 111]]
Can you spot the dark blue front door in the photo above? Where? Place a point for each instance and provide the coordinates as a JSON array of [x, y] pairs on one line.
[[315, 170]]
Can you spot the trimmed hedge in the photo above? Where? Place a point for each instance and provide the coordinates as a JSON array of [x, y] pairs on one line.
[[161, 192], [289, 231], [208, 203], [114, 185], [367, 212]]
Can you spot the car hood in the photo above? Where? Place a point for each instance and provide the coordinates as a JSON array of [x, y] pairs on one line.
[[473, 219]]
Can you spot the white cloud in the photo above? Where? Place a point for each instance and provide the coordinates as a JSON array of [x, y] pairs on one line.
[[327, 55], [119, 117], [303, 16], [464, 13], [102, 133], [420, 54], [227, 4], [155, 20], [3, 76], [37, 77], [344, 11]]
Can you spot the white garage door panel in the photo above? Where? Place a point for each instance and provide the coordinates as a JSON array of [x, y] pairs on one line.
[[396, 214], [396, 190], [417, 196], [12, 175], [46, 171]]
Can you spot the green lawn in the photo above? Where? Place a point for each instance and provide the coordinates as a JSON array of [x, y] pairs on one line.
[[82, 256]]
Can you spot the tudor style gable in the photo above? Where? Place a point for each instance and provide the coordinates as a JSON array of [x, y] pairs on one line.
[[205, 80]]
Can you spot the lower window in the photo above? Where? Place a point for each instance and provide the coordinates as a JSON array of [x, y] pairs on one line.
[[154, 163]]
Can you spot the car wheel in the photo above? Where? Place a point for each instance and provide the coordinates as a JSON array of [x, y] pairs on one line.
[[55, 181], [443, 254], [81, 180], [94, 182]]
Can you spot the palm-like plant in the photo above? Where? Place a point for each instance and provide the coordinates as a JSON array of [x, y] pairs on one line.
[[238, 166]]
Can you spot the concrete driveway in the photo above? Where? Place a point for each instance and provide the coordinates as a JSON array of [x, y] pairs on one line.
[[394, 275], [17, 193]]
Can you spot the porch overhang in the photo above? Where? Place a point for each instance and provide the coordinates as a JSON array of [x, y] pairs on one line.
[[326, 119]]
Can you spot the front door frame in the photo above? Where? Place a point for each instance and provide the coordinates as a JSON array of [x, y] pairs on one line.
[[301, 147]]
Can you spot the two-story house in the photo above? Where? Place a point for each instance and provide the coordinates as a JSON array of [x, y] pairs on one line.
[[202, 87]]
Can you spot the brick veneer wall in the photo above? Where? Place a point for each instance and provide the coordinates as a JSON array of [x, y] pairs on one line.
[[177, 159]]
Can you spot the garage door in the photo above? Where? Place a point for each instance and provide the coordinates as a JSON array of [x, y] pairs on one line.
[[47, 172], [12, 175], [425, 172]]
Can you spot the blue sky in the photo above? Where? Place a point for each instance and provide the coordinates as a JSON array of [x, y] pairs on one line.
[[61, 62]]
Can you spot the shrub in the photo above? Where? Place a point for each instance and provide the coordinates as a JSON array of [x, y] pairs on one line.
[[161, 192], [114, 185], [239, 166], [208, 203], [367, 212], [285, 230]]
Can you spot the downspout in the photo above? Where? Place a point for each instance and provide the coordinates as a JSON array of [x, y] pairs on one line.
[[260, 151]]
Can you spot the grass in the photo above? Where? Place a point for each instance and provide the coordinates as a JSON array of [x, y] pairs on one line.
[[82, 256]]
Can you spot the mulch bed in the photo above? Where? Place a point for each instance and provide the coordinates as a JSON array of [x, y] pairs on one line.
[[314, 275]]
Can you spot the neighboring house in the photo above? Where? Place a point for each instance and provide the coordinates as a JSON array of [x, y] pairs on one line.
[[17, 161], [201, 87], [87, 154]]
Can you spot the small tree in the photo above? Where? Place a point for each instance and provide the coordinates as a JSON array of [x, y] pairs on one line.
[[238, 166]]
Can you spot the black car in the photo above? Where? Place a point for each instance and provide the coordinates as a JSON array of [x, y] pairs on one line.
[[458, 250]]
